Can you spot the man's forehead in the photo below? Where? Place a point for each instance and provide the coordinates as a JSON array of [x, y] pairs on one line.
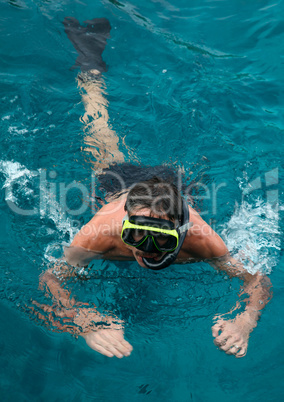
[[148, 212]]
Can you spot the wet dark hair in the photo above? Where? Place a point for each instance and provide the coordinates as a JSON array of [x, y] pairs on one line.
[[161, 197]]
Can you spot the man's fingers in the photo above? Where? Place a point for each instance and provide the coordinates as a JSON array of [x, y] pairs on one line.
[[225, 346], [232, 347], [109, 340], [222, 339], [122, 346], [111, 349], [242, 352], [127, 345], [102, 350], [101, 346], [114, 348], [118, 336], [233, 339], [215, 330]]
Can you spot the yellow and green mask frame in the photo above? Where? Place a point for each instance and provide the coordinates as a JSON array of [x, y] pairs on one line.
[[149, 243], [150, 234]]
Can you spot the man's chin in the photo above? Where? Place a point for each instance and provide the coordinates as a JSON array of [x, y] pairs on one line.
[[139, 259]]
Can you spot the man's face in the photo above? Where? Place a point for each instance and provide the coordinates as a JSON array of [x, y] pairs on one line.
[[139, 254]]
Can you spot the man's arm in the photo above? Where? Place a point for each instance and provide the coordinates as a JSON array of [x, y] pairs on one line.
[[102, 333], [256, 286], [235, 333], [233, 339]]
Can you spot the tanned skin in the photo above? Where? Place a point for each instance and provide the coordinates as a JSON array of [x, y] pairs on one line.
[[100, 239]]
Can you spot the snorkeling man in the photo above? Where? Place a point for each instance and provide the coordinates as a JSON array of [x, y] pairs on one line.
[[151, 224], [155, 226]]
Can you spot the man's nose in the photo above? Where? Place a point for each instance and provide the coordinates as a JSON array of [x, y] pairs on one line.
[[149, 245]]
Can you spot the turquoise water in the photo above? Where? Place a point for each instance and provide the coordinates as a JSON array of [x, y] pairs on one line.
[[193, 84]]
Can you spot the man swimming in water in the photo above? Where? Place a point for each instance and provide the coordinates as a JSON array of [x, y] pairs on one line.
[[153, 225]]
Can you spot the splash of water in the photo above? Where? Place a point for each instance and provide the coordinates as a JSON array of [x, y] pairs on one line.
[[253, 236], [14, 172], [19, 186]]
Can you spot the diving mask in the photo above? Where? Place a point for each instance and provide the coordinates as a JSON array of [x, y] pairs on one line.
[[149, 234]]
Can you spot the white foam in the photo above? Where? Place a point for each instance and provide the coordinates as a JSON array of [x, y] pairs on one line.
[[59, 218], [14, 99], [16, 130], [14, 172], [64, 225], [253, 236]]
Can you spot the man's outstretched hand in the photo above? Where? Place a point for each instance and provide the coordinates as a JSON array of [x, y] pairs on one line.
[[103, 334], [109, 342], [232, 336]]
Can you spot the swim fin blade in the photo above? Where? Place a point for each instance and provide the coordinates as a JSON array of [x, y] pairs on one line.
[[89, 41]]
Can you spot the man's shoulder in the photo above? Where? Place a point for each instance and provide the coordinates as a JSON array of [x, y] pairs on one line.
[[201, 240], [101, 232]]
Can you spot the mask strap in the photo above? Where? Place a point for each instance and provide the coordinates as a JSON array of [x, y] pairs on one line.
[[125, 218], [185, 227]]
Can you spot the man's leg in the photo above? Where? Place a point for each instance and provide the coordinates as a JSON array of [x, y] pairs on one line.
[[90, 41], [101, 141]]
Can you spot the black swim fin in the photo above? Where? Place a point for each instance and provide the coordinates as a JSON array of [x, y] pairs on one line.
[[89, 41]]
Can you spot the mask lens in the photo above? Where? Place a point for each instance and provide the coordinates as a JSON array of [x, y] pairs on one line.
[[162, 239], [138, 234], [165, 242], [145, 238]]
